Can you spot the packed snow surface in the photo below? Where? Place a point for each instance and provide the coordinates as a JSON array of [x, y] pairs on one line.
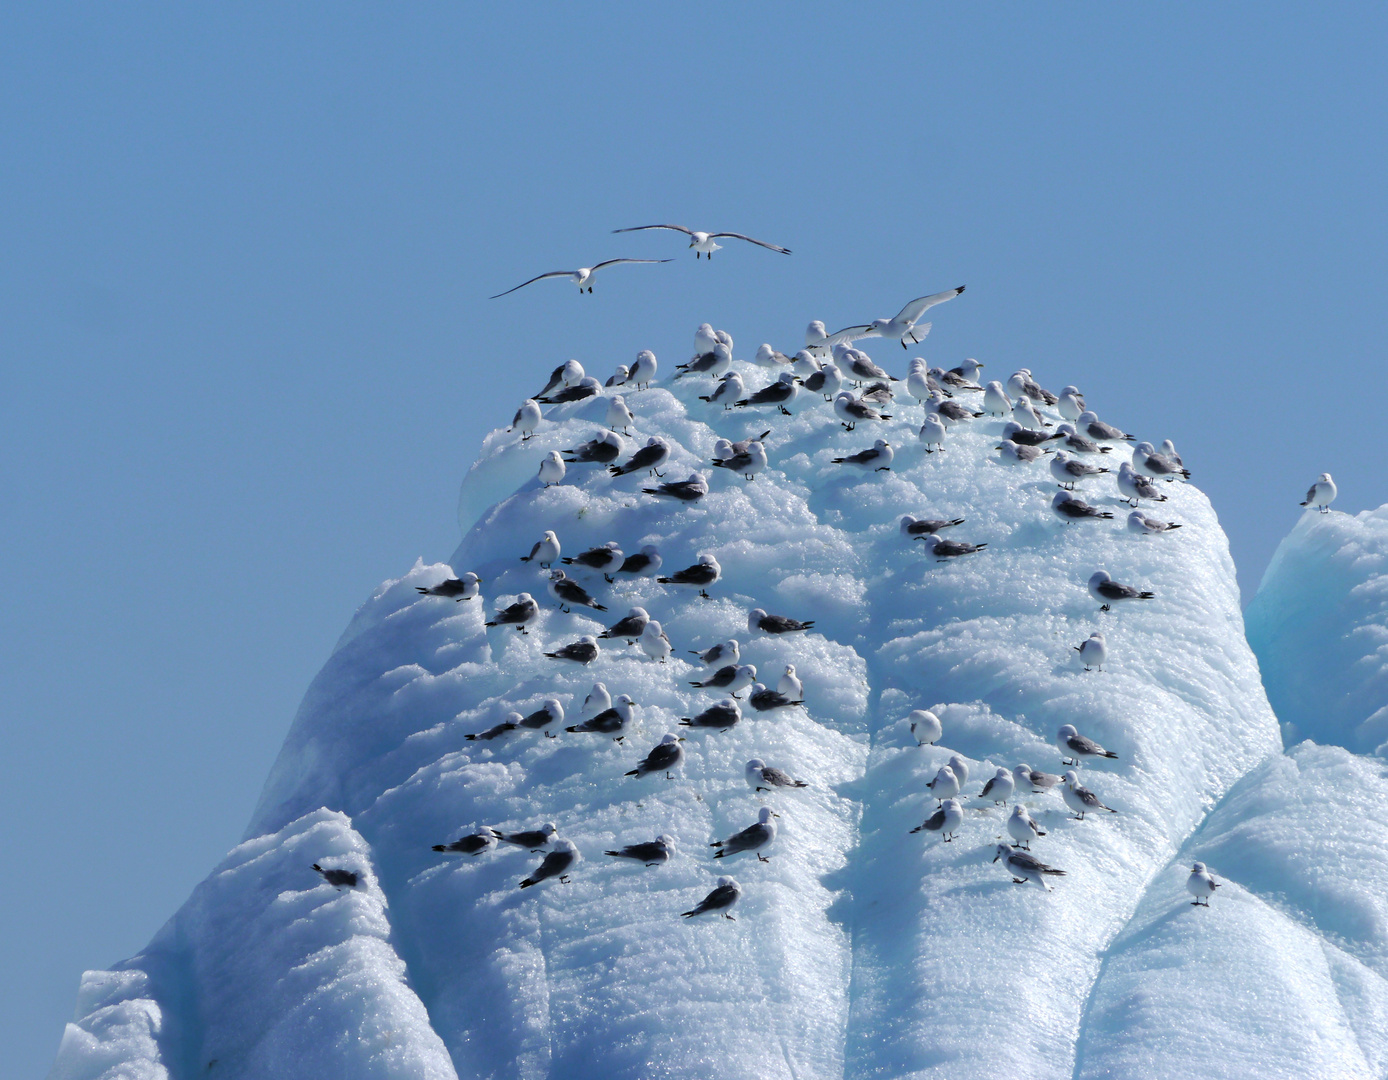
[[858, 948]]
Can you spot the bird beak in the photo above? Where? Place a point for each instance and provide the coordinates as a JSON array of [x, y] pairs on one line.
[[774, 814], [680, 739]]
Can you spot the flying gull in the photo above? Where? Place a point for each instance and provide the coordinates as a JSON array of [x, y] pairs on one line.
[[567, 591], [472, 844], [1322, 493], [582, 651], [763, 777], [520, 614], [753, 838], [459, 589], [1021, 827], [651, 853], [613, 721], [945, 821], [555, 864], [582, 277], [1079, 798], [1024, 867], [545, 551], [727, 893], [1109, 592], [902, 327], [1201, 885], [668, 754], [758, 619], [703, 242], [1092, 651], [720, 716]]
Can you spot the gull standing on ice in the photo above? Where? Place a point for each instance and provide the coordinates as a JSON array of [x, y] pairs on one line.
[[1033, 781], [932, 433], [1322, 494], [1147, 461], [598, 700], [550, 712], [629, 626], [914, 526], [961, 769], [1023, 436], [583, 651], [458, 589], [1093, 651], [729, 389], [569, 373], [768, 357], [758, 619], [618, 378], [750, 462], [652, 852], [585, 388], [556, 864], [1023, 385], [527, 418], [999, 787], [728, 652], [944, 549], [901, 327], [1142, 525], [643, 370], [643, 564], [850, 410], [582, 277], [552, 469], [714, 364], [1079, 798], [1201, 885], [472, 844], [1070, 471], [753, 838], [945, 785], [339, 879], [703, 574], [919, 383], [1082, 444], [597, 558], [1019, 454], [1070, 404], [728, 893], [667, 754], [613, 721], [925, 726], [603, 450], [1133, 486], [618, 415], [720, 716], [762, 777], [520, 614], [689, 490], [1109, 592], [995, 400], [1068, 509], [531, 839], [511, 722], [945, 821], [1022, 827], [878, 459], [567, 591], [764, 700], [1024, 867], [651, 457], [790, 685], [780, 393], [828, 380], [1025, 414], [730, 678], [1091, 425], [654, 643], [1076, 748], [703, 242], [952, 411], [545, 551]]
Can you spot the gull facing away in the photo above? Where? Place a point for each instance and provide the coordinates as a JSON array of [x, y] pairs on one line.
[[925, 726], [1201, 885], [945, 821], [582, 277], [459, 589], [703, 242], [1022, 827], [902, 327], [1024, 867], [520, 614], [1322, 494], [720, 900], [630, 626], [753, 838], [1075, 748], [945, 785], [651, 853]]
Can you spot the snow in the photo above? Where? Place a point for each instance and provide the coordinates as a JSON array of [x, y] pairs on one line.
[[858, 949]]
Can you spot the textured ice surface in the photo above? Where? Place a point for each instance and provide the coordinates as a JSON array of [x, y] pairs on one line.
[[858, 949]]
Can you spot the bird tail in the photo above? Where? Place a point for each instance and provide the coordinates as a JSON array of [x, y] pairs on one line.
[[1173, 524], [440, 847], [634, 772], [574, 728], [421, 589], [527, 883], [599, 607], [686, 721], [489, 624], [1146, 595], [1110, 753], [957, 521], [1076, 648], [1040, 832], [687, 914], [1106, 514], [525, 558], [469, 737], [1053, 871], [663, 580], [801, 783], [318, 868], [720, 854]]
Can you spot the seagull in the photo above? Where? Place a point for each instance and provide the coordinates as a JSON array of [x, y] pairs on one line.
[[1070, 471], [520, 614], [1146, 460], [1023, 385], [1201, 885], [1025, 414], [668, 754], [946, 820], [749, 462], [598, 558], [758, 619], [1092, 651], [472, 844], [619, 377], [850, 410], [730, 678], [654, 643], [1168, 451], [1109, 592], [545, 551], [1144, 526], [914, 526], [582, 651], [1014, 432], [1024, 867], [566, 374], [1021, 827], [585, 388], [903, 326], [762, 777], [790, 684], [999, 788], [532, 839], [753, 838], [552, 469], [582, 277], [714, 363], [613, 721], [728, 652], [728, 893], [458, 589], [549, 712], [1322, 493], [957, 382], [652, 852], [828, 380], [995, 400], [643, 564], [925, 726], [858, 365], [952, 411], [720, 716], [780, 393], [528, 417], [603, 450], [961, 769], [727, 392], [763, 700], [1079, 443], [642, 372], [1068, 509], [920, 383], [703, 242], [651, 457], [932, 433], [819, 341], [1091, 425], [567, 591], [944, 549], [629, 626], [1075, 748], [691, 490], [1017, 454], [618, 415], [1033, 781], [703, 574], [878, 459], [1134, 486], [945, 785], [598, 700], [1080, 799], [340, 879], [805, 363], [511, 722], [555, 864], [1070, 404], [768, 357]]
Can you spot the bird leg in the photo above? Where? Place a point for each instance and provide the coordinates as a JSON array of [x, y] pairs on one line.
[[704, 594], [883, 468], [784, 410], [762, 857], [564, 879], [729, 918]]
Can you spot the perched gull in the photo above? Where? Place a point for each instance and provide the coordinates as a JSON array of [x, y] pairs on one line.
[[944, 549], [850, 410], [1023, 385], [1081, 444], [566, 374], [828, 380], [1024, 412], [1013, 432], [1092, 651], [582, 651], [1201, 885], [1147, 461], [585, 388], [768, 357], [790, 684], [1109, 592], [552, 469], [703, 574], [961, 769], [1018, 454], [995, 400], [618, 415], [945, 785], [1133, 486], [545, 551], [651, 457], [549, 712], [920, 383], [1322, 493], [758, 619], [651, 853], [629, 626], [692, 489], [643, 370], [1070, 404], [1079, 798], [520, 614], [999, 787], [715, 363], [903, 326], [952, 411], [597, 558], [1091, 425], [1022, 827], [668, 754], [458, 589], [556, 864], [527, 418], [1070, 471], [730, 678], [1076, 748], [753, 838], [727, 652], [914, 526], [1024, 867], [654, 643], [780, 393], [1168, 451], [1033, 781], [727, 893], [643, 564], [618, 377], [472, 844], [720, 716], [531, 839], [1142, 525], [339, 879], [858, 365], [969, 369], [750, 462], [925, 726], [764, 700], [511, 722], [762, 777], [805, 363], [957, 382], [705, 339], [613, 721], [597, 701], [582, 277], [878, 459], [730, 387], [703, 242], [603, 450], [932, 433], [1068, 509], [567, 591], [945, 821]]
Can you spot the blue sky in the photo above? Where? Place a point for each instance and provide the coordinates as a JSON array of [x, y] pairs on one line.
[[248, 350]]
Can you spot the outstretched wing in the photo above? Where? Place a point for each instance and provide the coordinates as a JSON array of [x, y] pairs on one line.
[[848, 333], [918, 307], [645, 228], [759, 243], [523, 284], [613, 262]]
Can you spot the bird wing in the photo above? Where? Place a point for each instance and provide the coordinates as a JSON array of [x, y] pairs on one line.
[[1083, 745], [750, 837], [613, 262], [778, 777], [662, 756], [759, 243], [651, 849], [645, 228], [541, 277], [919, 306], [1311, 492], [848, 333]]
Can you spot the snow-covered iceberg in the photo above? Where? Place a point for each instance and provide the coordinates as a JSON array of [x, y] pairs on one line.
[[859, 949]]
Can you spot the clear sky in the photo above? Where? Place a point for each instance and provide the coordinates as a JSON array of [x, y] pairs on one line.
[[247, 351]]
